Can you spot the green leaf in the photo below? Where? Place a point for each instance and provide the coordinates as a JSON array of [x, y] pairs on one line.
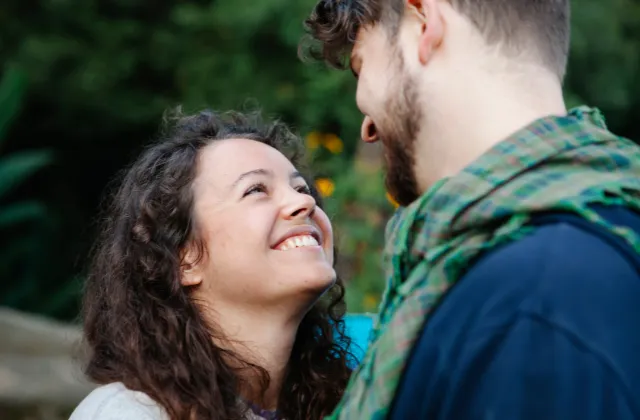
[[21, 212], [17, 167], [12, 86]]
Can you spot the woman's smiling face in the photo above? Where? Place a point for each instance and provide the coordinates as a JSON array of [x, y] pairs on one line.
[[266, 242]]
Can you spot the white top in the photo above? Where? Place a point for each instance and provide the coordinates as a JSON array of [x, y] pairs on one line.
[[116, 402]]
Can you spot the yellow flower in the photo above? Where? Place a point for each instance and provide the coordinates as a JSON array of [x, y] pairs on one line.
[[392, 200], [333, 143], [325, 186], [313, 140], [369, 302]]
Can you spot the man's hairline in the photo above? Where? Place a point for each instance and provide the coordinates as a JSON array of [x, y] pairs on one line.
[[497, 46], [354, 49], [381, 22]]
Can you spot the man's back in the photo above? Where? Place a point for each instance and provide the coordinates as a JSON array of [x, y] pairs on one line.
[[542, 328]]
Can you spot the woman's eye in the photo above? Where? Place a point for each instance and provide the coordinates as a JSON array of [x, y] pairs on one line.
[[255, 189], [303, 189]]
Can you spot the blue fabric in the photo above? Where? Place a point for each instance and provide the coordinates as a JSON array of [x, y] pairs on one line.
[[358, 327], [543, 328]]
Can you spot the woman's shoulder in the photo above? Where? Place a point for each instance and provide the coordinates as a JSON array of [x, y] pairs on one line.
[[117, 402]]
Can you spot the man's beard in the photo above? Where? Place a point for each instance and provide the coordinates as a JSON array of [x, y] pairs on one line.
[[398, 132]]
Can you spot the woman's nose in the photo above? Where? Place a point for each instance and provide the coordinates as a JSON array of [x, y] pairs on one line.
[[302, 206], [368, 131]]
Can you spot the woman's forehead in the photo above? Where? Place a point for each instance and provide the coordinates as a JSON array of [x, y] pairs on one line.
[[226, 160]]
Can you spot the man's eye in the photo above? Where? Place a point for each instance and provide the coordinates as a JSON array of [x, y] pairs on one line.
[[255, 189]]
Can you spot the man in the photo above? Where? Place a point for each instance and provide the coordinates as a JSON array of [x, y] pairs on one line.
[[513, 268]]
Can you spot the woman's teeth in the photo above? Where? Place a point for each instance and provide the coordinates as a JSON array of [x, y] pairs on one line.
[[297, 242]]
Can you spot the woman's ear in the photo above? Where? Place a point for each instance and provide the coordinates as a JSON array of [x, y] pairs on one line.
[[191, 268], [190, 277]]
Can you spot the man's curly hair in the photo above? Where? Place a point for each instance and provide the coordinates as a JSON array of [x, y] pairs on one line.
[[541, 26], [332, 27]]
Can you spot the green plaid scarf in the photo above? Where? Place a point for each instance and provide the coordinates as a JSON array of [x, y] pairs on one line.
[[555, 164]]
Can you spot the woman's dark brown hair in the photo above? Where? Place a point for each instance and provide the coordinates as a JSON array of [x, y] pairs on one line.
[[144, 329]]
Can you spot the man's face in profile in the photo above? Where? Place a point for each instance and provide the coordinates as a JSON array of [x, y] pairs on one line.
[[388, 99]]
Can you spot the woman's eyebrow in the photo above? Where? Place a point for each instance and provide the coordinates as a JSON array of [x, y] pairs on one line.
[[262, 172]]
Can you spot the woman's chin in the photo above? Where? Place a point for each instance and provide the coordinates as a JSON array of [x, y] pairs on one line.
[[312, 280]]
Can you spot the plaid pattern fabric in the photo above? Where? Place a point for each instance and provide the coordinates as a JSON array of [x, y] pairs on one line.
[[554, 164]]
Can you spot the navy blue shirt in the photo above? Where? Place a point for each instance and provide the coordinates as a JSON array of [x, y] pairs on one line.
[[547, 327]]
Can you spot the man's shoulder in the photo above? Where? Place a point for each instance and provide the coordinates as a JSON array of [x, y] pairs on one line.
[[567, 273], [560, 256], [115, 401], [551, 248], [559, 306]]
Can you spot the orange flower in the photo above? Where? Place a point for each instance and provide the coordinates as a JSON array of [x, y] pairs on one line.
[[313, 140], [325, 186], [333, 143], [392, 200]]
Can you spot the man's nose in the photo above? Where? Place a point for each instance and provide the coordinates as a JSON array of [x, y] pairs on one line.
[[368, 131]]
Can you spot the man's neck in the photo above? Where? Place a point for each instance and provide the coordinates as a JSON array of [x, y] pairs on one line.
[[477, 112]]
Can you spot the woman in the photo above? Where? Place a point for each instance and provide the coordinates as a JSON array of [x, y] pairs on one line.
[[212, 293]]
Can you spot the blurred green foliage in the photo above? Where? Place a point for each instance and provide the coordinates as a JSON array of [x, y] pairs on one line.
[[22, 220], [102, 72]]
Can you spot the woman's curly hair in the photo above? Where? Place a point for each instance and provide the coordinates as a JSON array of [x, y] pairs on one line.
[[141, 325]]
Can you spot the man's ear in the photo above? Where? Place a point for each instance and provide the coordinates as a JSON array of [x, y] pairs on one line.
[[191, 268], [429, 16]]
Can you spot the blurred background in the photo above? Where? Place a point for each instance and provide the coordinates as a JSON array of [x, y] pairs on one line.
[[83, 85]]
